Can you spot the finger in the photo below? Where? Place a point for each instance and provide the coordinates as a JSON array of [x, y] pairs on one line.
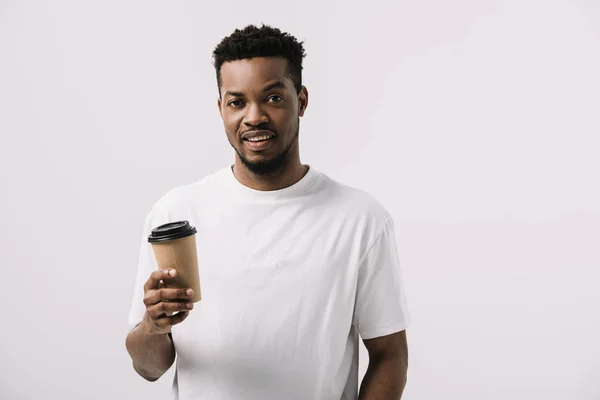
[[157, 276], [179, 317], [164, 309], [159, 317], [165, 324], [152, 297]]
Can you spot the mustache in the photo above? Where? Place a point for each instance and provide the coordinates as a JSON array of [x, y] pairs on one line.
[[258, 128]]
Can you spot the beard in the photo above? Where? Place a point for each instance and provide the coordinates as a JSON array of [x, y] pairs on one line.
[[275, 164]]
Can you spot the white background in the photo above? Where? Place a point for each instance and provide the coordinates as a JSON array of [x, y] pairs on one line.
[[476, 124]]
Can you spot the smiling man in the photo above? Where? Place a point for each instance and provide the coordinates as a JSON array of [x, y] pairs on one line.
[[295, 267], [261, 109]]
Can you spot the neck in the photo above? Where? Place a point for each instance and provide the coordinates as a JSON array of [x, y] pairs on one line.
[[289, 175]]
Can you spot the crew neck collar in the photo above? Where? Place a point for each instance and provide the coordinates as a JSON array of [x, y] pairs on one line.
[[245, 192]]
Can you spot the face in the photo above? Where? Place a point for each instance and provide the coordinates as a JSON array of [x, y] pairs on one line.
[[260, 110]]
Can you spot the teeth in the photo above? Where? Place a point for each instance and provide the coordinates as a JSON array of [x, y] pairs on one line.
[[258, 138]]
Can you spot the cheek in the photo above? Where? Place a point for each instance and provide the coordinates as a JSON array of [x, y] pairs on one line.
[[292, 118], [231, 122], [285, 116]]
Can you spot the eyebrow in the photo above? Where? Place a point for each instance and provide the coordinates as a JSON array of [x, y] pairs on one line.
[[273, 85]]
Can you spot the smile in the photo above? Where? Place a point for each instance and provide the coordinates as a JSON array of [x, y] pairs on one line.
[[258, 143]]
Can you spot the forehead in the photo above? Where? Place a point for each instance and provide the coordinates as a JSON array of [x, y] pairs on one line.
[[253, 73]]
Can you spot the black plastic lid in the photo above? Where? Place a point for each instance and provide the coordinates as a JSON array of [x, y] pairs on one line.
[[171, 231]]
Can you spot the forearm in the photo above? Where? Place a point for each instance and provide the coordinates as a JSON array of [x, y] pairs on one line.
[[384, 380], [152, 354]]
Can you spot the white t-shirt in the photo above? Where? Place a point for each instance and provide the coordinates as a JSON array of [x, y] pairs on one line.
[[289, 279]]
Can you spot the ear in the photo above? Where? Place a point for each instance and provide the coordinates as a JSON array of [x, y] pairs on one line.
[[219, 106], [302, 101]]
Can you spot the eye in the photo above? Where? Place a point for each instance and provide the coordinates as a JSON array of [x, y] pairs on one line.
[[235, 103], [276, 98]]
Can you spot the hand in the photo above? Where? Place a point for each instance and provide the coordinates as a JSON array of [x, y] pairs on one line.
[[161, 303]]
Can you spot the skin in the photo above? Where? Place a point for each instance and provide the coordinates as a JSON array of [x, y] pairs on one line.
[[385, 378], [255, 94], [149, 344], [248, 102]]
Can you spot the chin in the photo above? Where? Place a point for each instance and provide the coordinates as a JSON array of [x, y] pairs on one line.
[[264, 165]]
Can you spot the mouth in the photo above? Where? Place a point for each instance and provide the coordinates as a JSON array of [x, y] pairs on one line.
[[258, 140], [259, 143]]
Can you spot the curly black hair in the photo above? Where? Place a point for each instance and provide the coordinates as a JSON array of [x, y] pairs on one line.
[[265, 41]]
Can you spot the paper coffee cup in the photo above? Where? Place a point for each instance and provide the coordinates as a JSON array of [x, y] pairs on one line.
[[174, 246]]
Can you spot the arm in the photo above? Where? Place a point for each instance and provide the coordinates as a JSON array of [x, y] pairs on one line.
[[149, 344], [152, 354], [388, 363]]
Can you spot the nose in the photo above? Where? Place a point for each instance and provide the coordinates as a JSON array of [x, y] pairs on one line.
[[255, 115]]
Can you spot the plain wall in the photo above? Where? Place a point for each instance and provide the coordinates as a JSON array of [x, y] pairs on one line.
[[475, 123]]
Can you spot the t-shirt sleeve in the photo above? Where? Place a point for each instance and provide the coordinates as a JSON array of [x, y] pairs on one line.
[[381, 307], [146, 265]]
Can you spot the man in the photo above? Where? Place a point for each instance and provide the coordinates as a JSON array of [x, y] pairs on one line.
[[294, 266]]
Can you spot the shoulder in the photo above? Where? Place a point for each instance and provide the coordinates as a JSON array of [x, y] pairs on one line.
[[356, 203], [184, 196]]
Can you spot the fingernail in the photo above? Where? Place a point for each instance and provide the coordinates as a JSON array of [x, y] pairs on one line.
[[189, 292], [172, 272], [189, 305]]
